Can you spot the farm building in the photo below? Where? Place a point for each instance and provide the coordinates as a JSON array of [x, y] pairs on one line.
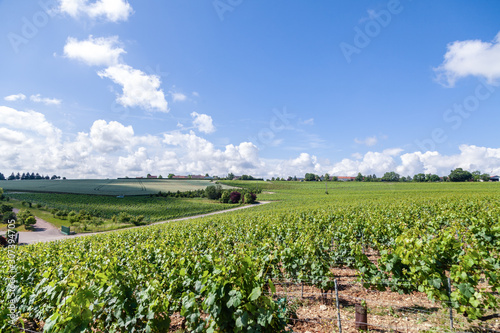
[[346, 179], [494, 179]]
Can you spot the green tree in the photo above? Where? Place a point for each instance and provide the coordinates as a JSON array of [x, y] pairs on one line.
[[8, 216], [390, 177], [30, 222], [359, 177], [230, 176], [485, 177], [434, 178], [335, 178], [170, 175], [326, 177], [310, 177], [476, 175], [213, 192], [460, 175], [419, 178]]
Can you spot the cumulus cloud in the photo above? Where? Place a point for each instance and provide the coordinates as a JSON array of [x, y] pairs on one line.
[[11, 137], [13, 98], [299, 166], [111, 149], [138, 88], [47, 101], [112, 136], [29, 121], [203, 122], [369, 141], [103, 51], [470, 58], [370, 163], [195, 154], [178, 97], [109, 10]]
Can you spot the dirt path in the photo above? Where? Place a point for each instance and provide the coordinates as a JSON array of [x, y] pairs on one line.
[[46, 232]]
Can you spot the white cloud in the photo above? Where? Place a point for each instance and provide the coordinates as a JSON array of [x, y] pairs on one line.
[[29, 121], [139, 89], [203, 122], [11, 137], [103, 51], [371, 163], [197, 155], [47, 101], [13, 98], [110, 10], [110, 137], [369, 141], [357, 156], [178, 97], [111, 149], [470, 58]]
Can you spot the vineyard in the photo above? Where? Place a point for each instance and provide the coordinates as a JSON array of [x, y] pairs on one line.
[[237, 272], [112, 187], [152, 208]]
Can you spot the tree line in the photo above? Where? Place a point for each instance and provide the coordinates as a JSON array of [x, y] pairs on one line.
[[457, 175], [27, 176]]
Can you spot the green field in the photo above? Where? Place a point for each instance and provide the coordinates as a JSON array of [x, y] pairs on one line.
[[220, 273], [105, 186], [152, 208]]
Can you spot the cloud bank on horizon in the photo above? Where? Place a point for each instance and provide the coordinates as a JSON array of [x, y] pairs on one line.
[[110, 149], [160, 130]]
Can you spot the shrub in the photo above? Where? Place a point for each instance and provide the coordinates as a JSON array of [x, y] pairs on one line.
[[138, 220], [29, 222], [96, 221], [5, 208], [72, 217], [8, 216], [225, 197], [124, 218], [250, 198], [235, 197], [23, 215]]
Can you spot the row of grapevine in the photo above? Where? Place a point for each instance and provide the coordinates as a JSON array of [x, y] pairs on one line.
[[217, 272]]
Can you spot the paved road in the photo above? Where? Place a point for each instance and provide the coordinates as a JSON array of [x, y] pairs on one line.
[[46, 232]]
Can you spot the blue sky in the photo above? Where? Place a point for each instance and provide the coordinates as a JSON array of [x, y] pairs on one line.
[[112, 88]]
